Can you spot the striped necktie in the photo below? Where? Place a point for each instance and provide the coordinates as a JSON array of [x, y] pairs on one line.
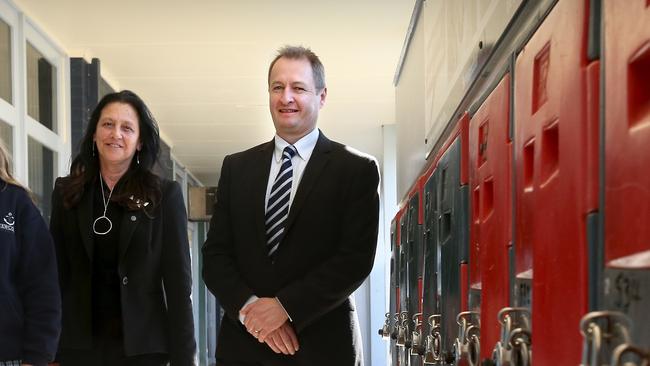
[[277, 209]]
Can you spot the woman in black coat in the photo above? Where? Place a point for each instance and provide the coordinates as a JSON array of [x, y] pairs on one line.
[[121, 237]]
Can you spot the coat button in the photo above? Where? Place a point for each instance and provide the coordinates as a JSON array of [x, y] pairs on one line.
[[125, 280], [133, 218]]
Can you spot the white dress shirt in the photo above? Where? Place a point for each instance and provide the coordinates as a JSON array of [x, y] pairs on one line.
[[305, 147]]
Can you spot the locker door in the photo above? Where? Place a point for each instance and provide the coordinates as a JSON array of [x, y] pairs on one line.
[[490, 181], [430, 289], [415, 265], [554, 181], [627, 160], [392, 303], [452, 242], [403, 292]]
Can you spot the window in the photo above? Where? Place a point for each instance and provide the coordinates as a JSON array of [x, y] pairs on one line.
[[33, 80], [41, 88], [6, 135], [42, 172], [5, 62]]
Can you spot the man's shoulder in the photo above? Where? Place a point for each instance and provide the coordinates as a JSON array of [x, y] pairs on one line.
[[251, 152], [350, 153]]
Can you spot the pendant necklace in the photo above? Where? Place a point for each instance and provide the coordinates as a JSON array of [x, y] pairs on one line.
[[103, 217]]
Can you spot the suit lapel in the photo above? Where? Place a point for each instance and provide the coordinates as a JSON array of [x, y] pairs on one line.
[[317, 161], [259, 183], [85, 219]]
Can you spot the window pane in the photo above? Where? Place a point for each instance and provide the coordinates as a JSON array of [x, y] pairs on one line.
[[5, 61], [7, 136], [41, 88], [42, 168]]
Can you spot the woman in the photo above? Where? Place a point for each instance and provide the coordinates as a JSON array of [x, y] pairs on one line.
[[30, 303], [121, 238]]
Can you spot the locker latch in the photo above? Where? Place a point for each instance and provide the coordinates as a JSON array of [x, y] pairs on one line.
[[467, 344], [403, 331], [514, 348], [433, 343], [395, 328], [606, 338], [417, 341], [384, 332]]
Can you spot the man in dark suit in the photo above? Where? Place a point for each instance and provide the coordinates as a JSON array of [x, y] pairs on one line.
[[293, 233]]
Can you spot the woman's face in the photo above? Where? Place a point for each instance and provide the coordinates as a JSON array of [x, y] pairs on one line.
[[117, 135]]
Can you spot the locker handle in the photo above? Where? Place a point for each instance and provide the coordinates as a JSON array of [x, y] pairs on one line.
[[626, 348], [593, 334]]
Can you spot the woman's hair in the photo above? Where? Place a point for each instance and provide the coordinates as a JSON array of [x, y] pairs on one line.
[[5, 171], [139, 182]]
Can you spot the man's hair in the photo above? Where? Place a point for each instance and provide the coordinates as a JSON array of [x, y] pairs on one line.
[[298, 53]]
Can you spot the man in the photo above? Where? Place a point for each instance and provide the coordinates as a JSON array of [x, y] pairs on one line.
[[293, 233]]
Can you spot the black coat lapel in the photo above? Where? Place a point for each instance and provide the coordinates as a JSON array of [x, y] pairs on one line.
[[317, 161], [130, 221], [259, 183], [85, 219]]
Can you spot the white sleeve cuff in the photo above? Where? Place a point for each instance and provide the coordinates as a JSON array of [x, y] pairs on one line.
[[251, 300], [285, 310]]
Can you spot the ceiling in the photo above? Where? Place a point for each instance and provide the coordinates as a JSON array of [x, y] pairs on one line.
[[201, 65]]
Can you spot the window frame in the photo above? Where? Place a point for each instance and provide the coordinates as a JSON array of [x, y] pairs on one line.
[[9, 110], [25, 30], [56, 141]]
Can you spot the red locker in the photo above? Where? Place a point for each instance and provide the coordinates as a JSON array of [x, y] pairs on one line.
[[415, 264], [415, 209], [398, 354], [393, 311], [490, 152], [461, 130], [627, 160], [627, 140], [554, 181], [430, 289], [452, 190]]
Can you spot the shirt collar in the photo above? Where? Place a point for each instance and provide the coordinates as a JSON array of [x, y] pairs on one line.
[[304, 146]]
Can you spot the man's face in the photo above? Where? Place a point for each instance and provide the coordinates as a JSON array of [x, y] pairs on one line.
[[293, 98]]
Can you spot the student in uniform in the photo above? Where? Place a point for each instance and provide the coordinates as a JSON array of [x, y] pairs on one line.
[[30, 302]]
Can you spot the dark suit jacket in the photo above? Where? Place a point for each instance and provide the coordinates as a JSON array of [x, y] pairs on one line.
[[154, 268], [327, 252]]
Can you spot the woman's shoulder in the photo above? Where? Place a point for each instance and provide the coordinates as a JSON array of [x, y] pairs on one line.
[[166, 183], [14, 192], [62, 186], [62, 183], [15, 201], [172, 195], [169, 187]]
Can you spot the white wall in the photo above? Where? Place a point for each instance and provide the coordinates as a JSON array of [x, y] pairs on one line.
[[410, 114]]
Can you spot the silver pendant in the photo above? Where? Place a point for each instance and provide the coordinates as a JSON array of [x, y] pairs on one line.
[[110, 225]]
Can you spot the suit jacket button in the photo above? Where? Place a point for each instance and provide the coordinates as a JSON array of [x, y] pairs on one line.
[[125, 280], [133, 218]]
